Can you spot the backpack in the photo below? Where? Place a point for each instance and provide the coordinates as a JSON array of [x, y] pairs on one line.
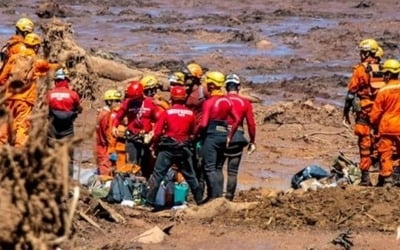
[[121, 189], [20, 73]]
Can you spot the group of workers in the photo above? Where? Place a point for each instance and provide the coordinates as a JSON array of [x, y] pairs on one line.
[[374, 96], [195, 132]]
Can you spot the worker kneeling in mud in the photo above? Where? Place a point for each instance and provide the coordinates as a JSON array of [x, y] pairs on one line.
[[362, 89], [233, 153], [105, 141], [213, 130], [172, 139], [385, 116]]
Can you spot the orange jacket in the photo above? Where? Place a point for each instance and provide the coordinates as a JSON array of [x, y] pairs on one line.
[[360, 80], [386, 109], [15, 45], [40, 68]]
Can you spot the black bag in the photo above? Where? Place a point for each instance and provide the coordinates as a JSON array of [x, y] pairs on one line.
[[121, 189]]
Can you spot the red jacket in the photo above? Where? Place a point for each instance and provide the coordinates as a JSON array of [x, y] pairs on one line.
[[61, 98], [244, 109], [177, 122], [218, 108], [141, 114]]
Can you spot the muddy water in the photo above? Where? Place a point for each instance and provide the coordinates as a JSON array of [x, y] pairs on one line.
[[219, 36]]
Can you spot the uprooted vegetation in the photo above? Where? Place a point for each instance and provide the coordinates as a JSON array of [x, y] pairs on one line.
[[34, 209]]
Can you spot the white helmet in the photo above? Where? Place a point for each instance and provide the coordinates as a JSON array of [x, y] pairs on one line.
[[60, 75], [232, 78]]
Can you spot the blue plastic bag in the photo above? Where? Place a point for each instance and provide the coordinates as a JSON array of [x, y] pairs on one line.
[[312, 171]]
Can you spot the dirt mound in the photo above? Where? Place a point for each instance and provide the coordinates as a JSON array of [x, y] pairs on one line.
[[299, 112], [332, 208], [60, 46]]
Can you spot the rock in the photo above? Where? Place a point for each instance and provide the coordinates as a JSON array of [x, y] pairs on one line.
[[51, 9], [264, 44], [330, 109], [151, 236], [309, 103]]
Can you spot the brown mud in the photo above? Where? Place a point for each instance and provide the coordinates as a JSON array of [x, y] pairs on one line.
[[298, 56]]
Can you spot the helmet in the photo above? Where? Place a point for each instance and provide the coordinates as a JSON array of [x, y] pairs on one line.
[[134, 90], [215, 77], [149, 81], [193, 69], [232, 79], [391, 65], [177, 78], [60, 75], [32, 39], [25, 24], [178, 93], [112, 95], [379, 53], [369, 45]]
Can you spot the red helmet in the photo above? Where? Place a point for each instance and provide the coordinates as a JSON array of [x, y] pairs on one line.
[[134, 90], [178, 93]]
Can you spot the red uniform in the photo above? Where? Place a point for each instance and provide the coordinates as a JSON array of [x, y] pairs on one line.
[[195, 101], [218, 108], [244, 109], [141, 114], [176, 122], [62, 98]]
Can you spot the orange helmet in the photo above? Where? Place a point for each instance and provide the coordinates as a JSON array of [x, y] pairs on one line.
[[194, 69], [178, 93], [134, 90]]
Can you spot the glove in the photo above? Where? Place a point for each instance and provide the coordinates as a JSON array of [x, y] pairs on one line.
[[346, 121], [115, 132], [113, 157], [251, 148]]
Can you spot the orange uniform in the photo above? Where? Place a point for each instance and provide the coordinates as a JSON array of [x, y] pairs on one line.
[[104, 140], [13, 46], [20, 104], [385, 115], [360, 84]]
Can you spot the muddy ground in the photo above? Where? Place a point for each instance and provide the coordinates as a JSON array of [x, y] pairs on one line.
[[297, 55]]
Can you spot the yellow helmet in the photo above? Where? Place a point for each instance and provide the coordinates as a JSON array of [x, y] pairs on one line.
[[215, 77], [379, 53], [32, 39], [25, 24], [391, 65], [369, 45], [177, 78], [194, 69], [112, 95], [149, 81]]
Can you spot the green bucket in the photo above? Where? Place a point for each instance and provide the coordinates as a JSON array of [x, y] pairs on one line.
[[180, 193]]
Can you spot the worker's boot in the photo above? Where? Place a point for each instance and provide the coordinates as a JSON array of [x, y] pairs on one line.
[[365, 180], [385, 181]]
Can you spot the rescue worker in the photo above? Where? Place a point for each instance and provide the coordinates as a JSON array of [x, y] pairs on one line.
[[197, 93], [16, 44], [105, 141], [21, 95], [233, 153], [172, 135], [362, 89], [64, 107], [213, 130], [385, 115], [150, 85], [141, 112]]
